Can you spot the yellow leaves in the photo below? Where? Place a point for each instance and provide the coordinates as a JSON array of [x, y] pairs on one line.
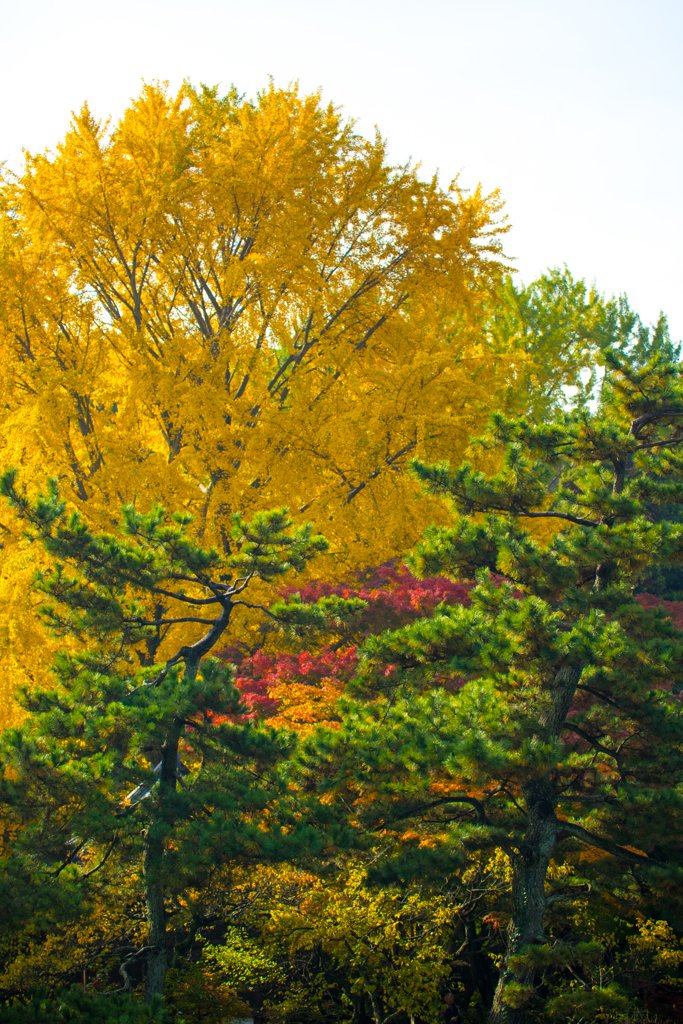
[[303, 707], [387, 943], [9, 828], [228, 305], [657, 945], [114, 922]]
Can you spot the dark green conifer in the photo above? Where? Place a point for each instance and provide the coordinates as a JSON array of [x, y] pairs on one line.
[[131, 761], [567, 730]]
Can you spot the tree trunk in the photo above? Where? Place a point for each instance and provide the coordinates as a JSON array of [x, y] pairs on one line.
[[153, 867], [157, 961], [530, 864], [376, 1003], [529, 870]]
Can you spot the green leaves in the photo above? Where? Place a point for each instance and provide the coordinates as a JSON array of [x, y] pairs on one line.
[[242, 961], [586, 1003]]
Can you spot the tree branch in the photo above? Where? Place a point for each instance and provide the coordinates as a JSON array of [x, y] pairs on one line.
[[591, 739], [472, 801], [104, 859], [554, 515], [219, 589], [650, 417], [162, 675], [168, 622], [600, 696], [566, 828], [69, 860], [572, 891], [658, 444], [258, 607], [183, 597]]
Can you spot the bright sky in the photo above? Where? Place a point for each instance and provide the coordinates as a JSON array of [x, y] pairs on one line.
[[572, 109]]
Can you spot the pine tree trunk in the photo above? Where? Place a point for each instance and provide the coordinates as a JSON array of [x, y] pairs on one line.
[[529, 870], [153, 866], [530, 864], [157, 961]]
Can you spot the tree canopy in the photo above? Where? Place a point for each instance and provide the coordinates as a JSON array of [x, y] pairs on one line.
[[226, 304], [149, 766], [240, 783]]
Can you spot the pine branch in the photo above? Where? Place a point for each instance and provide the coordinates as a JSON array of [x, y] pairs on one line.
[[167, 622], [566, 828], [421, 808], [184, 597], [104, 859]]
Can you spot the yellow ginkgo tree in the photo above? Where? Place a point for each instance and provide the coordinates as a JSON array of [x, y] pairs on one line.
[[219, 303]]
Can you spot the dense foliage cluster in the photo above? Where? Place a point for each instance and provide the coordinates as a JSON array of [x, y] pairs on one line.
[[300, 687], [248, 770]]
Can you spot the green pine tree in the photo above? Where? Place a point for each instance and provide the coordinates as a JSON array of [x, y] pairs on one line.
[[567, 730], [148, 766]]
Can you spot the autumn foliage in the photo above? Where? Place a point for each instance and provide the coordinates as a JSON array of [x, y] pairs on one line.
[[300, 688], [326, 777], [227, 304]]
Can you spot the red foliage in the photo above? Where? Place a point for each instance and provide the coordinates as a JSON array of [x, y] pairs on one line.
[[674, 609], [300, 689], [263, 675], [395, 597]]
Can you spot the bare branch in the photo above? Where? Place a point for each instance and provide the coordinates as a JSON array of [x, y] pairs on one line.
[[556, 515], [472, 801], [600, 696], [570, 893], [592, 740], [650, 417], [104, 859], [658, 444], [69, 860], [260, 608]]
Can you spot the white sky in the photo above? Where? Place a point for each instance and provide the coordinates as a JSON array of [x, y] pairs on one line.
[[571, 107]]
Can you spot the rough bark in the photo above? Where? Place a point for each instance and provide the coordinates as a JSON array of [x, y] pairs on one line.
[[529, 870], [531, 861]]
